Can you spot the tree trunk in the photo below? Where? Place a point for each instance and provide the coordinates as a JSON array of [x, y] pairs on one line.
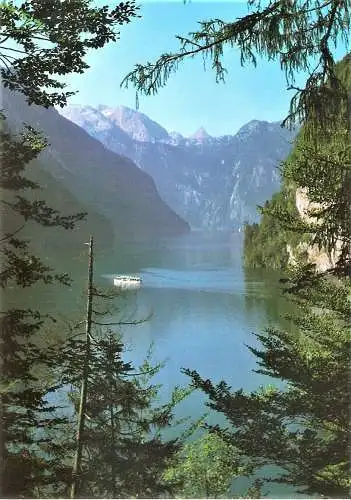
[[83, 396], [113, 450]]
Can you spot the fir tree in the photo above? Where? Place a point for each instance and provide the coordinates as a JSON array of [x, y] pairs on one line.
[[304, 428], [30, 66], [68, 29], [23, 405], [124, 454], [300, 35], [120, 451]]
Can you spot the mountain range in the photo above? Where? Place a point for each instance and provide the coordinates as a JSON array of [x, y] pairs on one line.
[[211, 182], [136, 179], [109, 186]]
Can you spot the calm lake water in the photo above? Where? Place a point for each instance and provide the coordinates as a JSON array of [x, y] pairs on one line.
[[204, 307]]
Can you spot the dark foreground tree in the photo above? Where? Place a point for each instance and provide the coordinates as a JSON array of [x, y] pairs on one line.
[[114, 436], [39, 42], [23, 406], [42, 40], [303, 428], [123, 452], [299, 34]]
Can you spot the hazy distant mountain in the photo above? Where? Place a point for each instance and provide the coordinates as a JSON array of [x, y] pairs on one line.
[[105, 182], [137, 125], [93, 120], [210, 181], [200, 135]]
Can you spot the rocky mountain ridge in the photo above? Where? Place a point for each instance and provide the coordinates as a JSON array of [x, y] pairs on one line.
[[212, 182], [105, 182], [320, 257]]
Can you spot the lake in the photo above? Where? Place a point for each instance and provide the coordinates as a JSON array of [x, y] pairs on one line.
[[205, 307]]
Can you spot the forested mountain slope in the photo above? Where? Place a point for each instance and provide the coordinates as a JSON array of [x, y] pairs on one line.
[[306, 188], [104, 182]]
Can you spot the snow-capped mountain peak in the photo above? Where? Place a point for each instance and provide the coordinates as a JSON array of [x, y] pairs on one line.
[[137, 125]]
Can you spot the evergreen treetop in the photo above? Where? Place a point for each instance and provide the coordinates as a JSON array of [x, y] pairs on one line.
[[300, 34], [43, 40]]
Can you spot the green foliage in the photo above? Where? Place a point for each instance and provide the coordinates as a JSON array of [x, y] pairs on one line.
[[25, 410], [205, 468], [43, 40], [39, 42], [321, 166], [323, 170], [295, 33], [24, 407], [303, 428], [124, 454], [265, 244]]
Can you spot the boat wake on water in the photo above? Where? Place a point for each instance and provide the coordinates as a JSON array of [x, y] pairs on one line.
[[215, 280]]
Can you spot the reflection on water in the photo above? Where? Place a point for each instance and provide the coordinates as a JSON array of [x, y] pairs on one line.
[[217, 280], [205, 307]]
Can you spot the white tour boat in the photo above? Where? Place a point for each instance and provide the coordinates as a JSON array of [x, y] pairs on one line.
[[126, 281]]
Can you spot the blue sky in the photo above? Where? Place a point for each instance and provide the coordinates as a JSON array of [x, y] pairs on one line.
[[192, 98]]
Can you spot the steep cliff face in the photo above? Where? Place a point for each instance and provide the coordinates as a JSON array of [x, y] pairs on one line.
[[270, 244], [313, 204], [103, 181], [212, 182], [322, 259]]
